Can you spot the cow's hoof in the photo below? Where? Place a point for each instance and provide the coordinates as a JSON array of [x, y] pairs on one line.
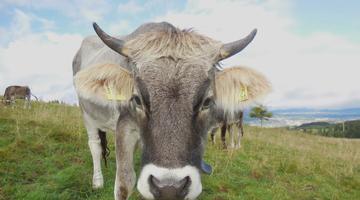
[[98, 182]]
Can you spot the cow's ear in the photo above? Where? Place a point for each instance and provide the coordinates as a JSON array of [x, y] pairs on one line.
[[104, 83], [237, 87]]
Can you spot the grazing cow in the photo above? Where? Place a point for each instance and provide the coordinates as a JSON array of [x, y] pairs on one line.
[[17, 92], [160, 87], [235, 129]]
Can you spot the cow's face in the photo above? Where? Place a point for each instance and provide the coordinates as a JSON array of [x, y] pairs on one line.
[[177, 95], [172, 102]]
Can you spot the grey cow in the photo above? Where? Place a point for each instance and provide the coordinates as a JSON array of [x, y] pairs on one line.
[[234, 125], [158, 87], [17, 92]]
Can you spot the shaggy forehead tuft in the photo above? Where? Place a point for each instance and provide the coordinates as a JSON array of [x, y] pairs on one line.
[[172, 42]]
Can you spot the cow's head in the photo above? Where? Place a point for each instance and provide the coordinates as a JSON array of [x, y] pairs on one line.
[[174, 93]]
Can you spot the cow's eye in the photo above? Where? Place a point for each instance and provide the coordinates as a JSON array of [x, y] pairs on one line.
[[207, 103], [136, 101]]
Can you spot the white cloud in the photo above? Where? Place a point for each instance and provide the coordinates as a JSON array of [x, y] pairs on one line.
[[42, 61], [45, 23], [78, 10], [91, 13], [130, 7], [322, 65], [21, 24], [121, 27]]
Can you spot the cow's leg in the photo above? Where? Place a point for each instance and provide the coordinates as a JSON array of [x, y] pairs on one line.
[[212, 134], [231, 134], [96, 151], [240, 130], [12, 102], [126, 139], [240, 133], [223, 135], [7, 101], [27, 102]]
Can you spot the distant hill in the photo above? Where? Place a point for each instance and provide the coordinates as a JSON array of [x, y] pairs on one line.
[[347, 129], [352, 129], [315, 125]]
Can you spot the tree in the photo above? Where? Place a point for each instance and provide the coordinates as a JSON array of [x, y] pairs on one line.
[[260, 112]]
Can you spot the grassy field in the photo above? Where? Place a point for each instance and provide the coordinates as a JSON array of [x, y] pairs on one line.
[[44, 155]]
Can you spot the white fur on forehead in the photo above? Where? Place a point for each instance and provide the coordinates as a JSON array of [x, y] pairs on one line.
[[91, 83], [230, 83]]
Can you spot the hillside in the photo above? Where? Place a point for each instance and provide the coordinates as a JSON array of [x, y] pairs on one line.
[[314, 125], [348, 129], [44, 155]]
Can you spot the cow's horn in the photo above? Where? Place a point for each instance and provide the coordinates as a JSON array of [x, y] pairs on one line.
[[233, 48], [114, 43], [206, 168]]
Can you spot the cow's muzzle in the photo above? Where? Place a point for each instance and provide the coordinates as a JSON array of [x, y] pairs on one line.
[[169, 189], [169, 184]]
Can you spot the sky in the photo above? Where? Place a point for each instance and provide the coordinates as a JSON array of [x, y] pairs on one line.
[[309, 50]]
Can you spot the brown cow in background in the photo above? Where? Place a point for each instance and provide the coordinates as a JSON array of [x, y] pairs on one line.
[[17, 92]]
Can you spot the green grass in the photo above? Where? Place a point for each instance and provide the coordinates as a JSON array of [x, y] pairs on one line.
[[44, 155]]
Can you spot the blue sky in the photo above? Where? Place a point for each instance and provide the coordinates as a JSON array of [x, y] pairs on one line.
[[334, 16], [66, 15], [308, 49]]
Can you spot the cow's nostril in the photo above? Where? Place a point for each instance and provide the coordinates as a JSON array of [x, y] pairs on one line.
[[155, 186], [183, 187], [169, 189]]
